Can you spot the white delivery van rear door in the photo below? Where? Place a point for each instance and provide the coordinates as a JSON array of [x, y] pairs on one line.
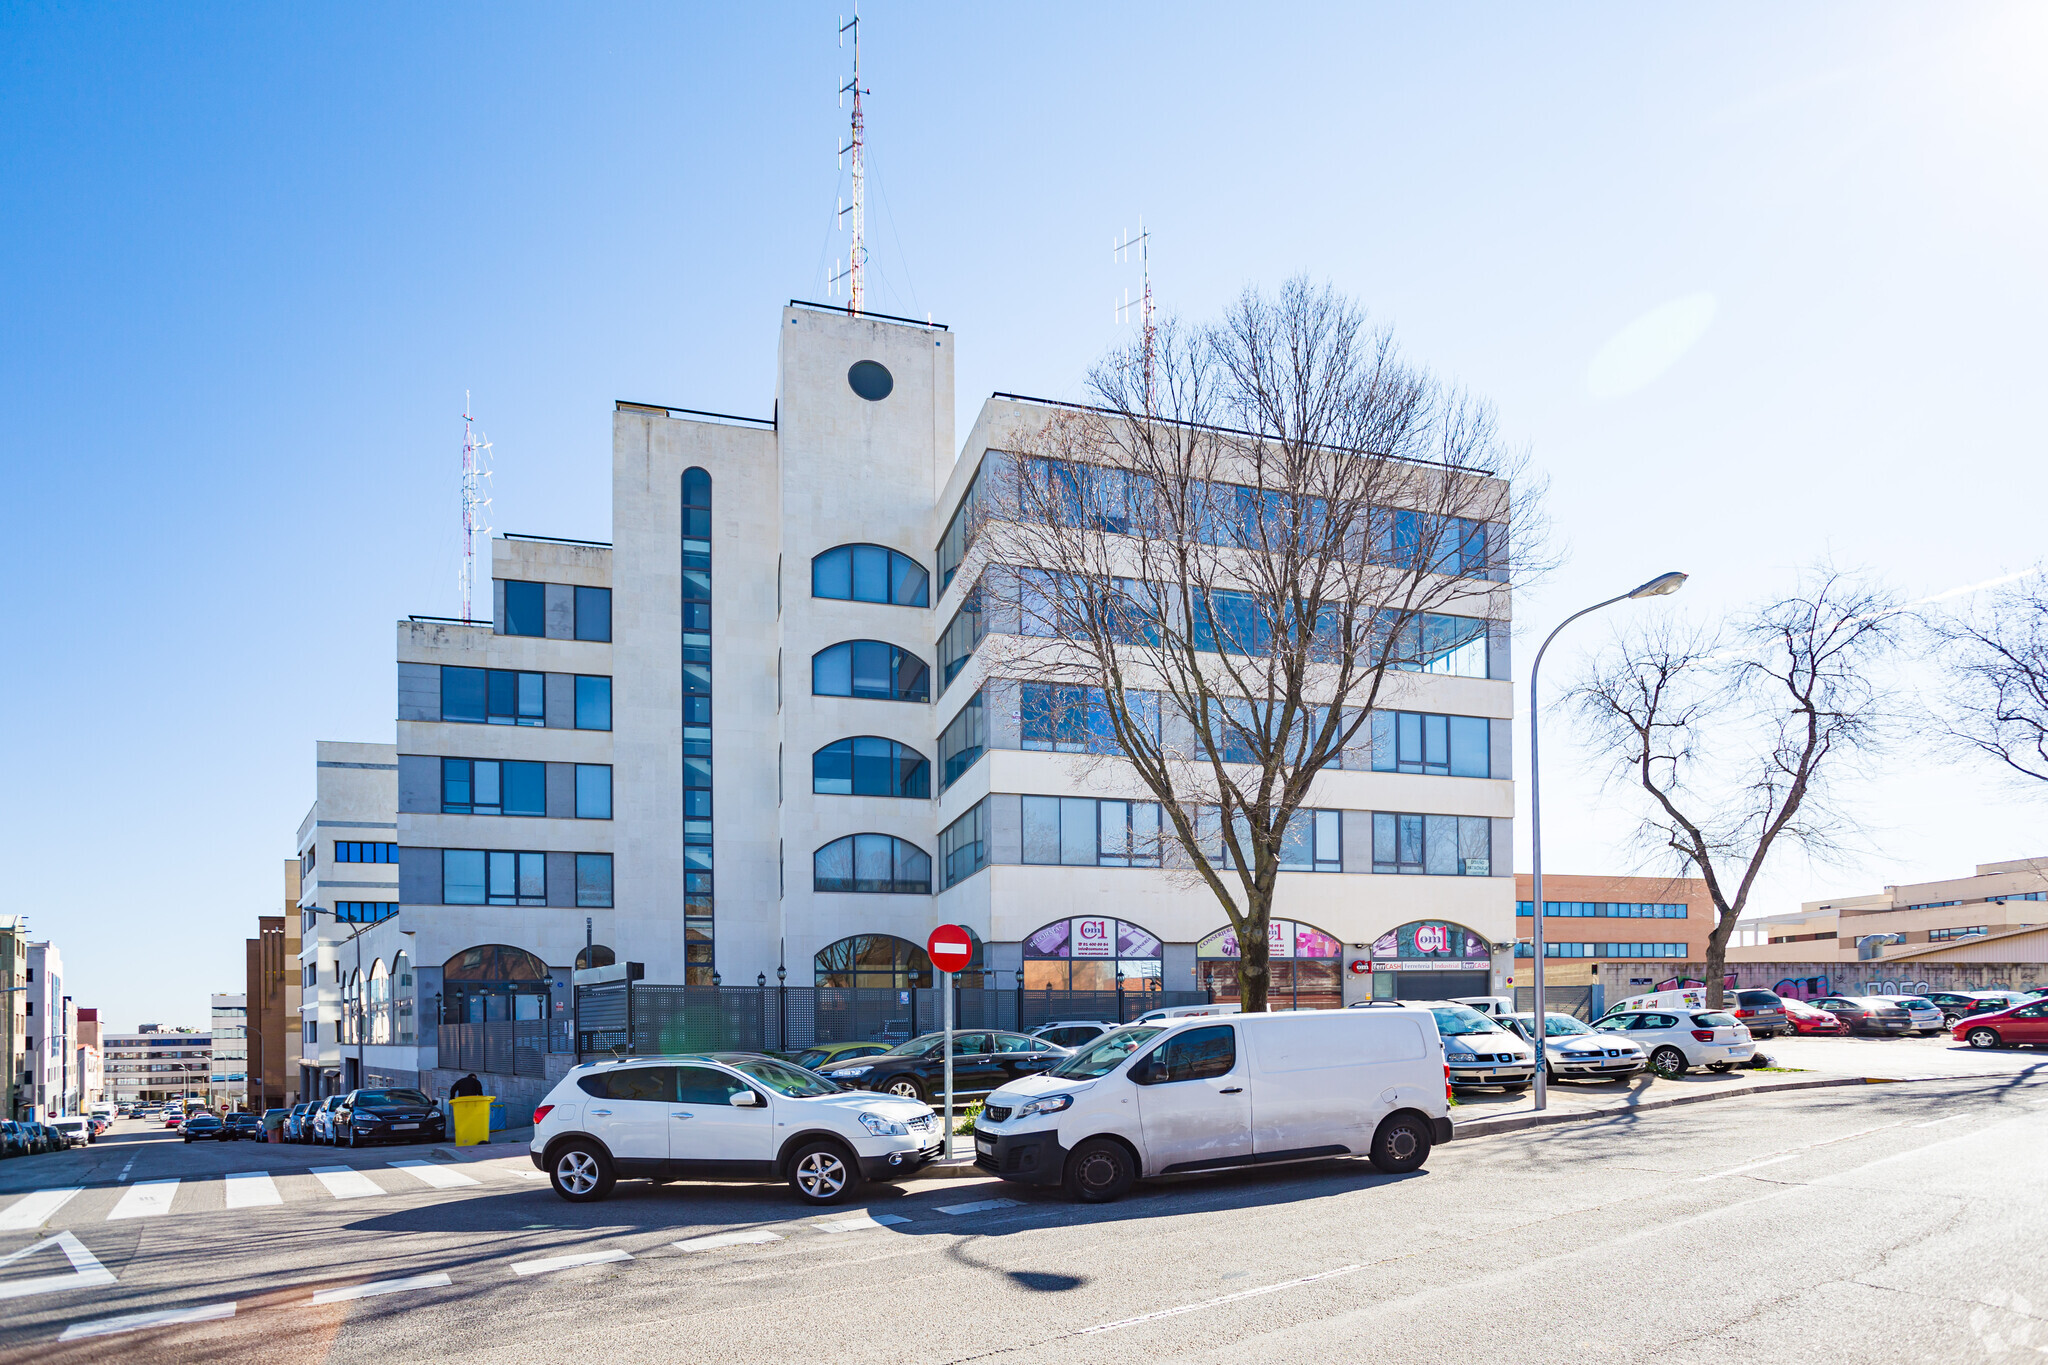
[[1320, 1077], [1197, 1113]]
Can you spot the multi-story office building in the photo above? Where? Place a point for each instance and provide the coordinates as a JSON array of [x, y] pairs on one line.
[[52, 1063], [154, 1064], [347, 880], [1643, 927], [91, 1059], [754, 739], [271, 986], [16, 1086], [228, 1077]]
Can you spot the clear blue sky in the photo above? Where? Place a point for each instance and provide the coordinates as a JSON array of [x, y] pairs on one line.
[[250, 258]]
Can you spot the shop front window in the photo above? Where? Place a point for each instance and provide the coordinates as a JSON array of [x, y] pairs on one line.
[[1306, 965], [1092, 953]]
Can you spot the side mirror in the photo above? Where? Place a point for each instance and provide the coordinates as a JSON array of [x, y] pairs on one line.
[[745, 1099]]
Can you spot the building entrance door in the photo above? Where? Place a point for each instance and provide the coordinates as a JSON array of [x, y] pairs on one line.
[[1439, 985]]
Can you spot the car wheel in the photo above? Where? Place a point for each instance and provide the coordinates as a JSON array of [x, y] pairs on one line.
[[581, 1173], [1668, 1062], [1098, 1171], [1981, 1037], [905, 1087], [824, 1173]]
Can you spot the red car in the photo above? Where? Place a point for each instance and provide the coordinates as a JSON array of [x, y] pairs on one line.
[[1805, 1018], [2013, 1027]]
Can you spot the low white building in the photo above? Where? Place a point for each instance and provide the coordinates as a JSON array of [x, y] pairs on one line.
[[752, 740]]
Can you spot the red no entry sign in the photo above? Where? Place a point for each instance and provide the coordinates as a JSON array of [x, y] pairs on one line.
[[951, 947]]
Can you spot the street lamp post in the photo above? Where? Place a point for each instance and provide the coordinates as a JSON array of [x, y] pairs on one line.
[[1660, 586]]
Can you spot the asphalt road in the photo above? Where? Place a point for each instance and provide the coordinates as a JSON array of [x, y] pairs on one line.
[[1897, 1222]]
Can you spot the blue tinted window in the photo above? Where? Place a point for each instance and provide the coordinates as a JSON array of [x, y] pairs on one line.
[[525, 608], [462, 876], [462, 694], [872, 670], [593, 702], [872, 863], [525, 787], [962, 742], [593, 880], [870, 573], [593, 613], [869, 765], [593, 791]]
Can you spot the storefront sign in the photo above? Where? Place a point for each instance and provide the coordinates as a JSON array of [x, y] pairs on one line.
[[1094, 938], [1432, 938]]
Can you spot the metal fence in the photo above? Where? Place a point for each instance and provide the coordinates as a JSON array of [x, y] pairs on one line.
[[785, 1018], [510, 1047], [1581, 1002]]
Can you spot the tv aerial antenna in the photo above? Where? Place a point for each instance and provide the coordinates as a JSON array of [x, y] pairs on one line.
[[1120, 251], [475, 470], [852, 153]]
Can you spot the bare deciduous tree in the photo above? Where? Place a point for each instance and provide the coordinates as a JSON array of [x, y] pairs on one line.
[[1207, 577], [1739, 737], [1996, 661]]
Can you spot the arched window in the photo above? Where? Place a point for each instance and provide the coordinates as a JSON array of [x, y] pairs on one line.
[[872, 670], [596, 955], [402, 1025], [1306, 966], [874, 960], [494, 981], [868, 765], [878, 863], [870, 573], [379, 1003], [352, 1009], [1092, 953]]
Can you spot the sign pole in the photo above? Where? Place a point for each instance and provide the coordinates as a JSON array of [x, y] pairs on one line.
[[947, 1155]]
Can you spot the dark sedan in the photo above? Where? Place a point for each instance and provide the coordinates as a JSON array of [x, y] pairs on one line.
[[831, 1054], [205, 1128], [982, 1061], [1761, 1012], [1868, 1014], [366, 1116], [238, 1126]]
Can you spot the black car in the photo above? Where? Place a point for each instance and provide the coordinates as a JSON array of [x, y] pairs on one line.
[[982, 1061], [1873, 1015], [366, 1116], [206, 1128], [238, 1126]]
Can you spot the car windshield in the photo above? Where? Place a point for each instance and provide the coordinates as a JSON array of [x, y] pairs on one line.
[[1715, 1020], [1106, 1053], [916, 1047], [1457, 1021], [1554, 1025], [391, 1097], [1914, 1002], [785, 1079]]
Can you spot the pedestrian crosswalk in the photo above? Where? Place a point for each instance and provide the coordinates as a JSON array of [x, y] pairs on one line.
[[74, 1205], [146, 1199]]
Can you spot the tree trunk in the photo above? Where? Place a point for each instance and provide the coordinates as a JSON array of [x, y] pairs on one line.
[[1717, 960], [1254, 950]]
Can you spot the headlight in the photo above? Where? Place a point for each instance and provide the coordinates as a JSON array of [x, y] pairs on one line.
[[1044, 1104], [851, 1071], [882, 1126]]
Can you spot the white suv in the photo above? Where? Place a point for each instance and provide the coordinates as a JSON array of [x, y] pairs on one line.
[[724, 1116], [1679, 1039]]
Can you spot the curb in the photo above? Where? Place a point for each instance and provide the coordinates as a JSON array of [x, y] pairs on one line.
[[1479, 1128]]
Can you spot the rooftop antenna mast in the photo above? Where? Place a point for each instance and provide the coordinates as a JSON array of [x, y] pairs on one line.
[[475, 469], [857, 257], [1121, 251]]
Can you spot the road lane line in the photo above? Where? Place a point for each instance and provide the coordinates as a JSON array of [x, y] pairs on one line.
[[346, 1182], [146, 1199], [860, 1222], [371, 1290], [711, 1242], [1212, 1303], [251, 1189], [978, 1206], [569, 1262], [106, 1326], [125, 1169], [36, 1209], [1752, 1166], [440, 1177], [86, 1271]]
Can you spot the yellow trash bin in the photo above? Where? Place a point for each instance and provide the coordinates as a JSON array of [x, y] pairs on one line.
[[472, 1119]]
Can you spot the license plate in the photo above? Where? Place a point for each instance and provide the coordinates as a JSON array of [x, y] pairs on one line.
[[405, 1125], [985, 1148]]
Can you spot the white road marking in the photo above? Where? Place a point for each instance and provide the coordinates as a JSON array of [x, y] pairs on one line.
[[569, 1262], [376, 1287], [528, 1175], [860, 1222], [1950, 1119], [36, 1209], [346, 1182], [105, 1326], [978, 1206], [1752, 1166], [1212, 1303], [125, 1169], [86, 1271], [251, 1189], [713, 1241], [146, 1199], [440, 1177]]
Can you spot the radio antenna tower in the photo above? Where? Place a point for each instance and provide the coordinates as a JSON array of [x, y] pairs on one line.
[[1121, 251], [857, 256], [475, 469]]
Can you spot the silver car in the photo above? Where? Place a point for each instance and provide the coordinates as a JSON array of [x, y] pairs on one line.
[[1574, 1052], [1927, 1017], [1479, 1051]]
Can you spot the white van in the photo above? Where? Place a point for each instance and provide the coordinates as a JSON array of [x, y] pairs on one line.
[[1691, 998], [1184, 1012], [1184, 1096]]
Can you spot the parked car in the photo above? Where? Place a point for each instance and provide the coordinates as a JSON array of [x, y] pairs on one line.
[[172, 1120], [1811, 1019], [14, 1139], [76, 1132], [1207, 1094], [721, 1116], [1573, 1052], [1925, 1016], [100, 1125], [206, 1128], [916, 1070], [321, 1122], [273, 1125], [2022, 1025], [1678, 1040], [1761, 1012], [1071, 1033], [811, 1058], [1492, 1006], [1478, 1051], [1956, 1005], [294, 1122], [1870, 1014], [236, 1127], [390, 1115]]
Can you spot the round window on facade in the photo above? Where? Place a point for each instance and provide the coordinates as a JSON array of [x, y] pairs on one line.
[[870, 380]]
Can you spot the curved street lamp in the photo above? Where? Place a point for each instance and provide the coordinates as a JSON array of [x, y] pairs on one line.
[[1663, 585]]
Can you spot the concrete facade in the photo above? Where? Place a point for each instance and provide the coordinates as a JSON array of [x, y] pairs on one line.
[[228, 1076], [355, 803], [52, 1072], [15, 1086], [152, 1065]]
